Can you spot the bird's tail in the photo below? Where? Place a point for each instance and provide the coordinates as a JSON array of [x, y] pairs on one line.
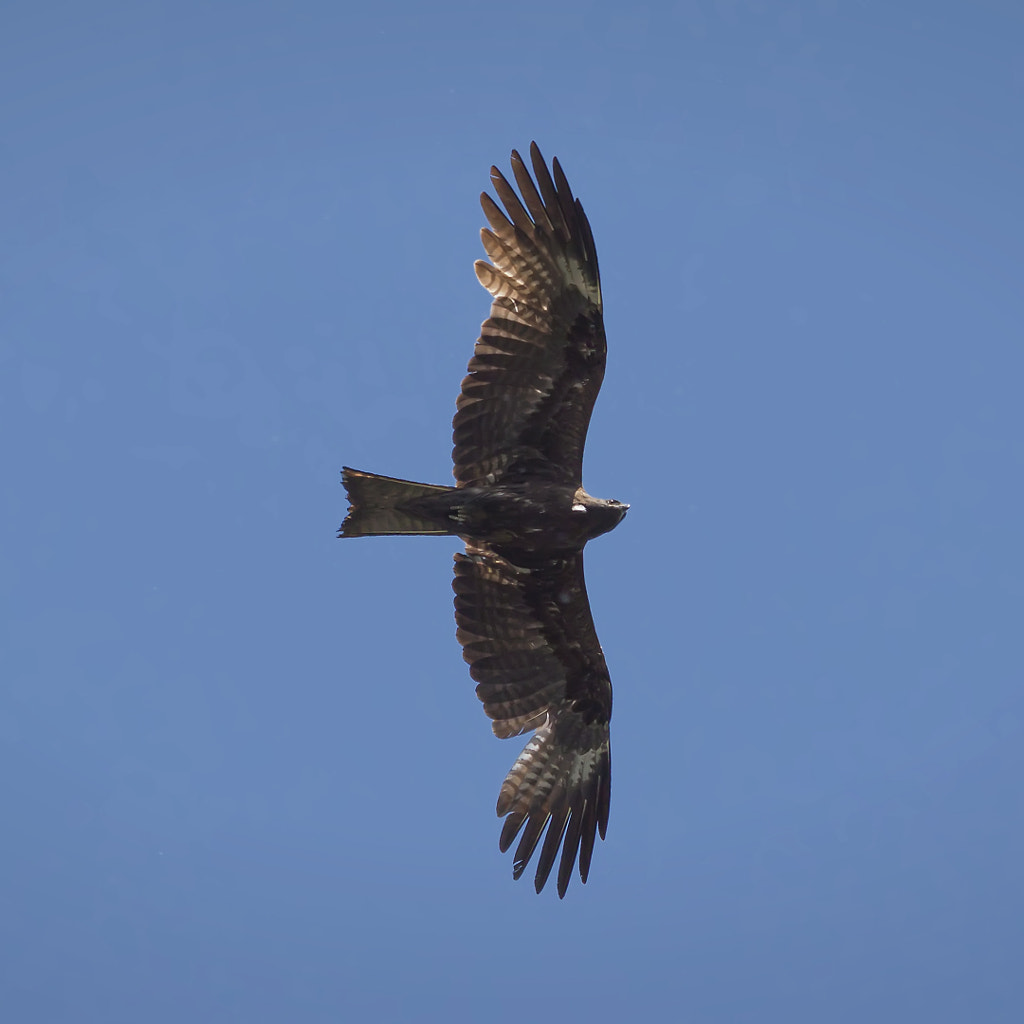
[[382, 505]]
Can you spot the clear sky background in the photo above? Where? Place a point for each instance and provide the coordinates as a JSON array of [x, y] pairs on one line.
[[245, 776]]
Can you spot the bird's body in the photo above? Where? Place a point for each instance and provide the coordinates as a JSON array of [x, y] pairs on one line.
[[519, 505], [526, 515]]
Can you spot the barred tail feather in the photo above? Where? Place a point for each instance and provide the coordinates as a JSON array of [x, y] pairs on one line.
[[383, 505]]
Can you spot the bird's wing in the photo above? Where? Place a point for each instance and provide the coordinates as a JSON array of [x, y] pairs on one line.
[[531, 385], [529, 638]]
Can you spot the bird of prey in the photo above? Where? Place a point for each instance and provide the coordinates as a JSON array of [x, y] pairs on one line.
[[519, 505]]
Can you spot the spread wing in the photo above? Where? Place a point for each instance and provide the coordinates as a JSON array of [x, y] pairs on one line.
[[529, 639], [531, 385]]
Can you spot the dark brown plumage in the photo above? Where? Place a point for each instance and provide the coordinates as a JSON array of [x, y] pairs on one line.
[[521, 603]]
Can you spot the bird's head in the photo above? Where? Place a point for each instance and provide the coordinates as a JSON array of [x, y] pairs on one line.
[[605, 514]]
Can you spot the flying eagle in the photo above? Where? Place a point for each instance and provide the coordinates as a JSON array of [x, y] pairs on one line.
[[519, 505]]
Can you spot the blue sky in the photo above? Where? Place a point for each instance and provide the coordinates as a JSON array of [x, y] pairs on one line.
[[245, 773]]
